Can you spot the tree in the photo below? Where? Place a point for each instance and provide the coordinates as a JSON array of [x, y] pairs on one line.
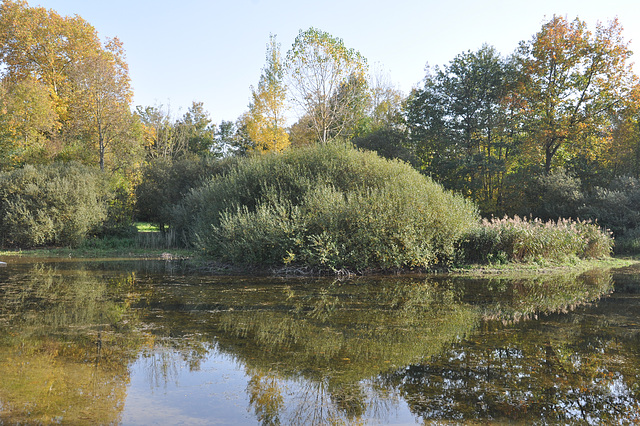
[[571, 81], [162, 137], [200, 130], [40, 44], [389, 143], [623, 155], [103, 97], [27, 118], [302, 132], [87, 83], [351, 104], [320, 67], [266, 123], [231, 138], [386, 103], [458, 125]]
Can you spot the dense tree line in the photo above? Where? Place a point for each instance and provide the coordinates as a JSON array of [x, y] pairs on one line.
[[549, 130]]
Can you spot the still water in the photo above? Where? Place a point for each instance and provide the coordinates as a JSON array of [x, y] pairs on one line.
[[144, 342]]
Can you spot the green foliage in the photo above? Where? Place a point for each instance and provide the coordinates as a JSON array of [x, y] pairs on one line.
[[166, 180], [458, 125], [330, 206], [121, 208], [388, 143], [558, 194], [503, 240], [199, 131], [616, 206], [486, 126], [57, 204]]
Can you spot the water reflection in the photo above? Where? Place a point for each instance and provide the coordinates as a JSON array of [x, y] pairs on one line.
[[109, 340], [63, 344]]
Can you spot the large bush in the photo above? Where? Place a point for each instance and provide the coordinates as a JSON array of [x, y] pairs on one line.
[[330, 206], [57, 204]]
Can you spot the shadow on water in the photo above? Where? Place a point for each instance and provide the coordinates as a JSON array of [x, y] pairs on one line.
[[77, 337]]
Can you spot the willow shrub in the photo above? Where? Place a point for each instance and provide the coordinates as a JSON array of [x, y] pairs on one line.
[[522, 240], [329, 206], [57, 204]]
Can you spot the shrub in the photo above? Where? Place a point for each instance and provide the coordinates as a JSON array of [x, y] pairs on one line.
[[166, 180], [558, 194], [330, 206], [617, 207], [121, 208], [561, 195], [56, 204], [501, 240]]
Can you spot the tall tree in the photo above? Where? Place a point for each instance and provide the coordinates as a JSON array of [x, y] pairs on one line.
[[87, 82], [571, 81], [200, 130], [27, 119], [266, 121], [41, 44], [457, 125], [320, 67], [103, 95]]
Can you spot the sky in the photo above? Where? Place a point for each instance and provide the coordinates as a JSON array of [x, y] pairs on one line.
[[213, 51]]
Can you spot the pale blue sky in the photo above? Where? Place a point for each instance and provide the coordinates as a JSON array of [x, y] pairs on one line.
[[213, 51]]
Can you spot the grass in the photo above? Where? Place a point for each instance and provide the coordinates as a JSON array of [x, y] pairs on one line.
[[146, 244], [146, 227]]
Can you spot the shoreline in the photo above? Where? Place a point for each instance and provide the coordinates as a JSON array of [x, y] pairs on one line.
[[197, 264]]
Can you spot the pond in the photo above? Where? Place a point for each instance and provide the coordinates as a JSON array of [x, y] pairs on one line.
[[144, 342]]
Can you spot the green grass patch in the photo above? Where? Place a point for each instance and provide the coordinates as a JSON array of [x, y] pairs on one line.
[[146, 227], [106, 247]]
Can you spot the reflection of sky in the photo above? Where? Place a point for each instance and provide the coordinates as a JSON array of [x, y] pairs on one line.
[[163, 389], [213, 394]]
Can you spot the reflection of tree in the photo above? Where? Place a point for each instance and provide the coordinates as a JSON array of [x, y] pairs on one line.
[[329, 339], [316, 351], [564, 370], [510, 300], [354, 329], [340, 345], [265, 395], [337, 337], [163, 359], [65, 346]]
